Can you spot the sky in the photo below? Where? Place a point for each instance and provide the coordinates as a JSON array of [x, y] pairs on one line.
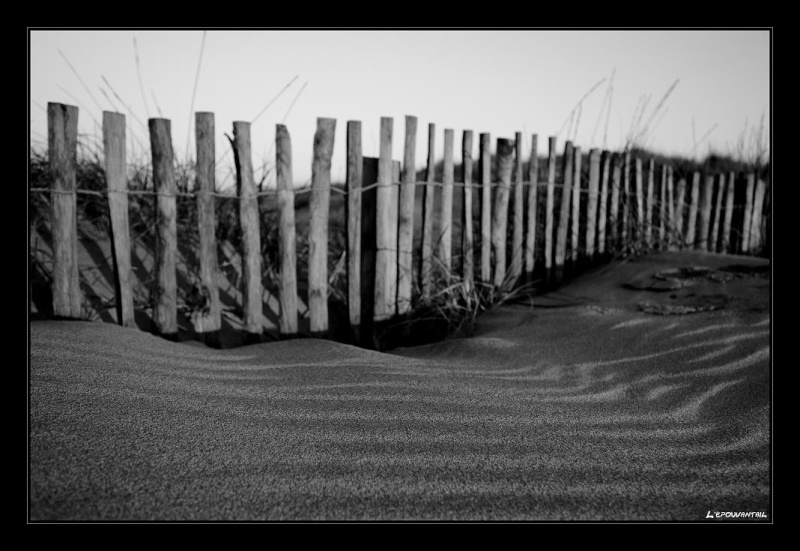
[[544, 82]]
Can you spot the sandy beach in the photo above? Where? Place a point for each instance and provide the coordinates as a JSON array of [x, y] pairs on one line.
[[589, 404]]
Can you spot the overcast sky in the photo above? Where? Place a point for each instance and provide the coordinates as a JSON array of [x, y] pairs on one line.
[[486, 81]]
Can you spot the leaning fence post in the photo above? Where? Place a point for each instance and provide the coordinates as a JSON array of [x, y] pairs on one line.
[[117, 182], [446, 218], [705, 213], [602, 218], [533, 205], [165, 309], [748, 212], [251, 237], [286, 229], [467, 261], [755, 224], [549, 212], [318, 227], [591, 213], [62, 143], [485, 164], [693, 207], [405, 225], [505, 159], [209, 322], [563, 219], [726, 225], [515, 268], [386, 231], [355, 171], [576, 206]]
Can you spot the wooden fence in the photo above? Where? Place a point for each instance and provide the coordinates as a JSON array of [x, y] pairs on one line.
[[561, 219]]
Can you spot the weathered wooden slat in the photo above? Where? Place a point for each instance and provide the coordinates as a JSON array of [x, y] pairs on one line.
[[531, 211], [445, 238], [467, 260], [369, 244], [680, 207], [705, 214], [318, 227], [614, 222], [117, 182], [575, 219], [627, 197], [694, 203], [485, 167], [429, 192], [591, 207], [405, 225], [662, 209], [671, 224], [209, 319], [386, 230], [640, 221], [748, 212], [714, 244], [648, 205], [549, 212], [505, 160], [62, 150], [727, 242], [287, 236], [563, 219], [515, 268], [755, 224], [355, 171], [250, 232], [602, 217]]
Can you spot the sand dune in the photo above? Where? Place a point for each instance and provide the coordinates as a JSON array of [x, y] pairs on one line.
[[594, 410]]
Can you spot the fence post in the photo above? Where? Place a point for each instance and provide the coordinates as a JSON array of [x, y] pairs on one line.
[[165, 309], [591, 213], [640, 223], [355, 171], [386, 230], [446, 218], [427, 204], [691, 228], [602, 218], [209, 321], [748, 212], [625, 197], [726, 225], [251, 237], [62, 144], [485, 164], [369, 228], [467, 261], [648, 205], [318, 227], [286, 228], [533, 205], [405, 227], [670, 210], [563, 219], [755, 225], [576, 205], [549, 214], [705, 213], [662, 209], [679, 210], [505, 151], [714, 245], [515, 268], [614, 221], [117, 182]]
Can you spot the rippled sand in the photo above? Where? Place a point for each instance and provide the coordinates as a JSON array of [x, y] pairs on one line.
[[579, 412]]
